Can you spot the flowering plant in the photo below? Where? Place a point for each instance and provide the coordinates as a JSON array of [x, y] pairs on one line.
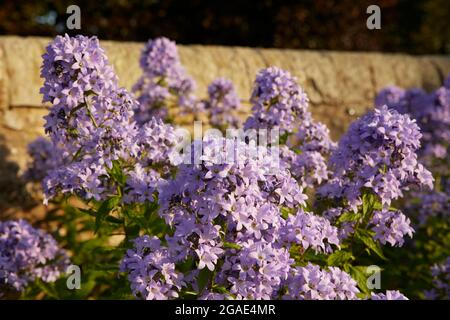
[[295, 216]]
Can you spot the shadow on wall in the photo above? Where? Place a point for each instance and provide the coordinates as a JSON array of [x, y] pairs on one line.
[[14, 196]]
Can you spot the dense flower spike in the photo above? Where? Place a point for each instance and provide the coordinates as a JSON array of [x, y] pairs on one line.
[[441, 281], [44, 157], [96, 129], [278, 102], [73, 66], [378, 153], [312, 283], [90, 146], [151, 270], [391, 227], [389, 295], [222, 102], [432, 112], [27, 254], [164, 82]]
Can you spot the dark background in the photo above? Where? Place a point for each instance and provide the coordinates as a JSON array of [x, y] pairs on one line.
[[420, 26]]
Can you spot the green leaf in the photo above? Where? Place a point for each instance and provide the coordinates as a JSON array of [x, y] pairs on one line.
[[132, 231], [117, 174], [348, 216], [368, 203], [221, 289], [359, 274], [186, 265], [340, 257], [366, 237], [283, 138], [114, 220], [47, 288], [231, 245], [204, 278], [105, 208], [150, 208]]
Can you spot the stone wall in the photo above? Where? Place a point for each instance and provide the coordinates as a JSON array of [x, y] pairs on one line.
[[341, 85]]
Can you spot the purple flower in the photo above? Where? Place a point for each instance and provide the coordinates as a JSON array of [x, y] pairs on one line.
[[389, 295], [95, 130], [156, 141], [441, 281], [308, 167], [379, 153], [208, 256], [309, 230], [163, 83], [27, 254], [278, 102], [73, 66], [44, 157], [391, 226], [216, 202], [312, 283], [435, 204], [141, 185], [315, 136], [390, 96], [432, 112], [222, 102], [151, 270]]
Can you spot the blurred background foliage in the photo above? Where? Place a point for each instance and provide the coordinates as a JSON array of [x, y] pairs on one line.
[[417, 27]]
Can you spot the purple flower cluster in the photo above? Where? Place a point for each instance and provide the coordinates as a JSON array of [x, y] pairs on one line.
[[44, 157], [310, 230], [90, 121], [237, 213], [141, 184], [164, 82], [315, 136], [151, 270], [441, 281], [313, 283], [308, 167], [156, 141], [216, 202], [389, 295], [96, 127], [73, 66], [391, 227], [27, 254], [432, 112], [377, 153], [278, 102], [312, 149], [432, 205], [221, 103], [226, 218]]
